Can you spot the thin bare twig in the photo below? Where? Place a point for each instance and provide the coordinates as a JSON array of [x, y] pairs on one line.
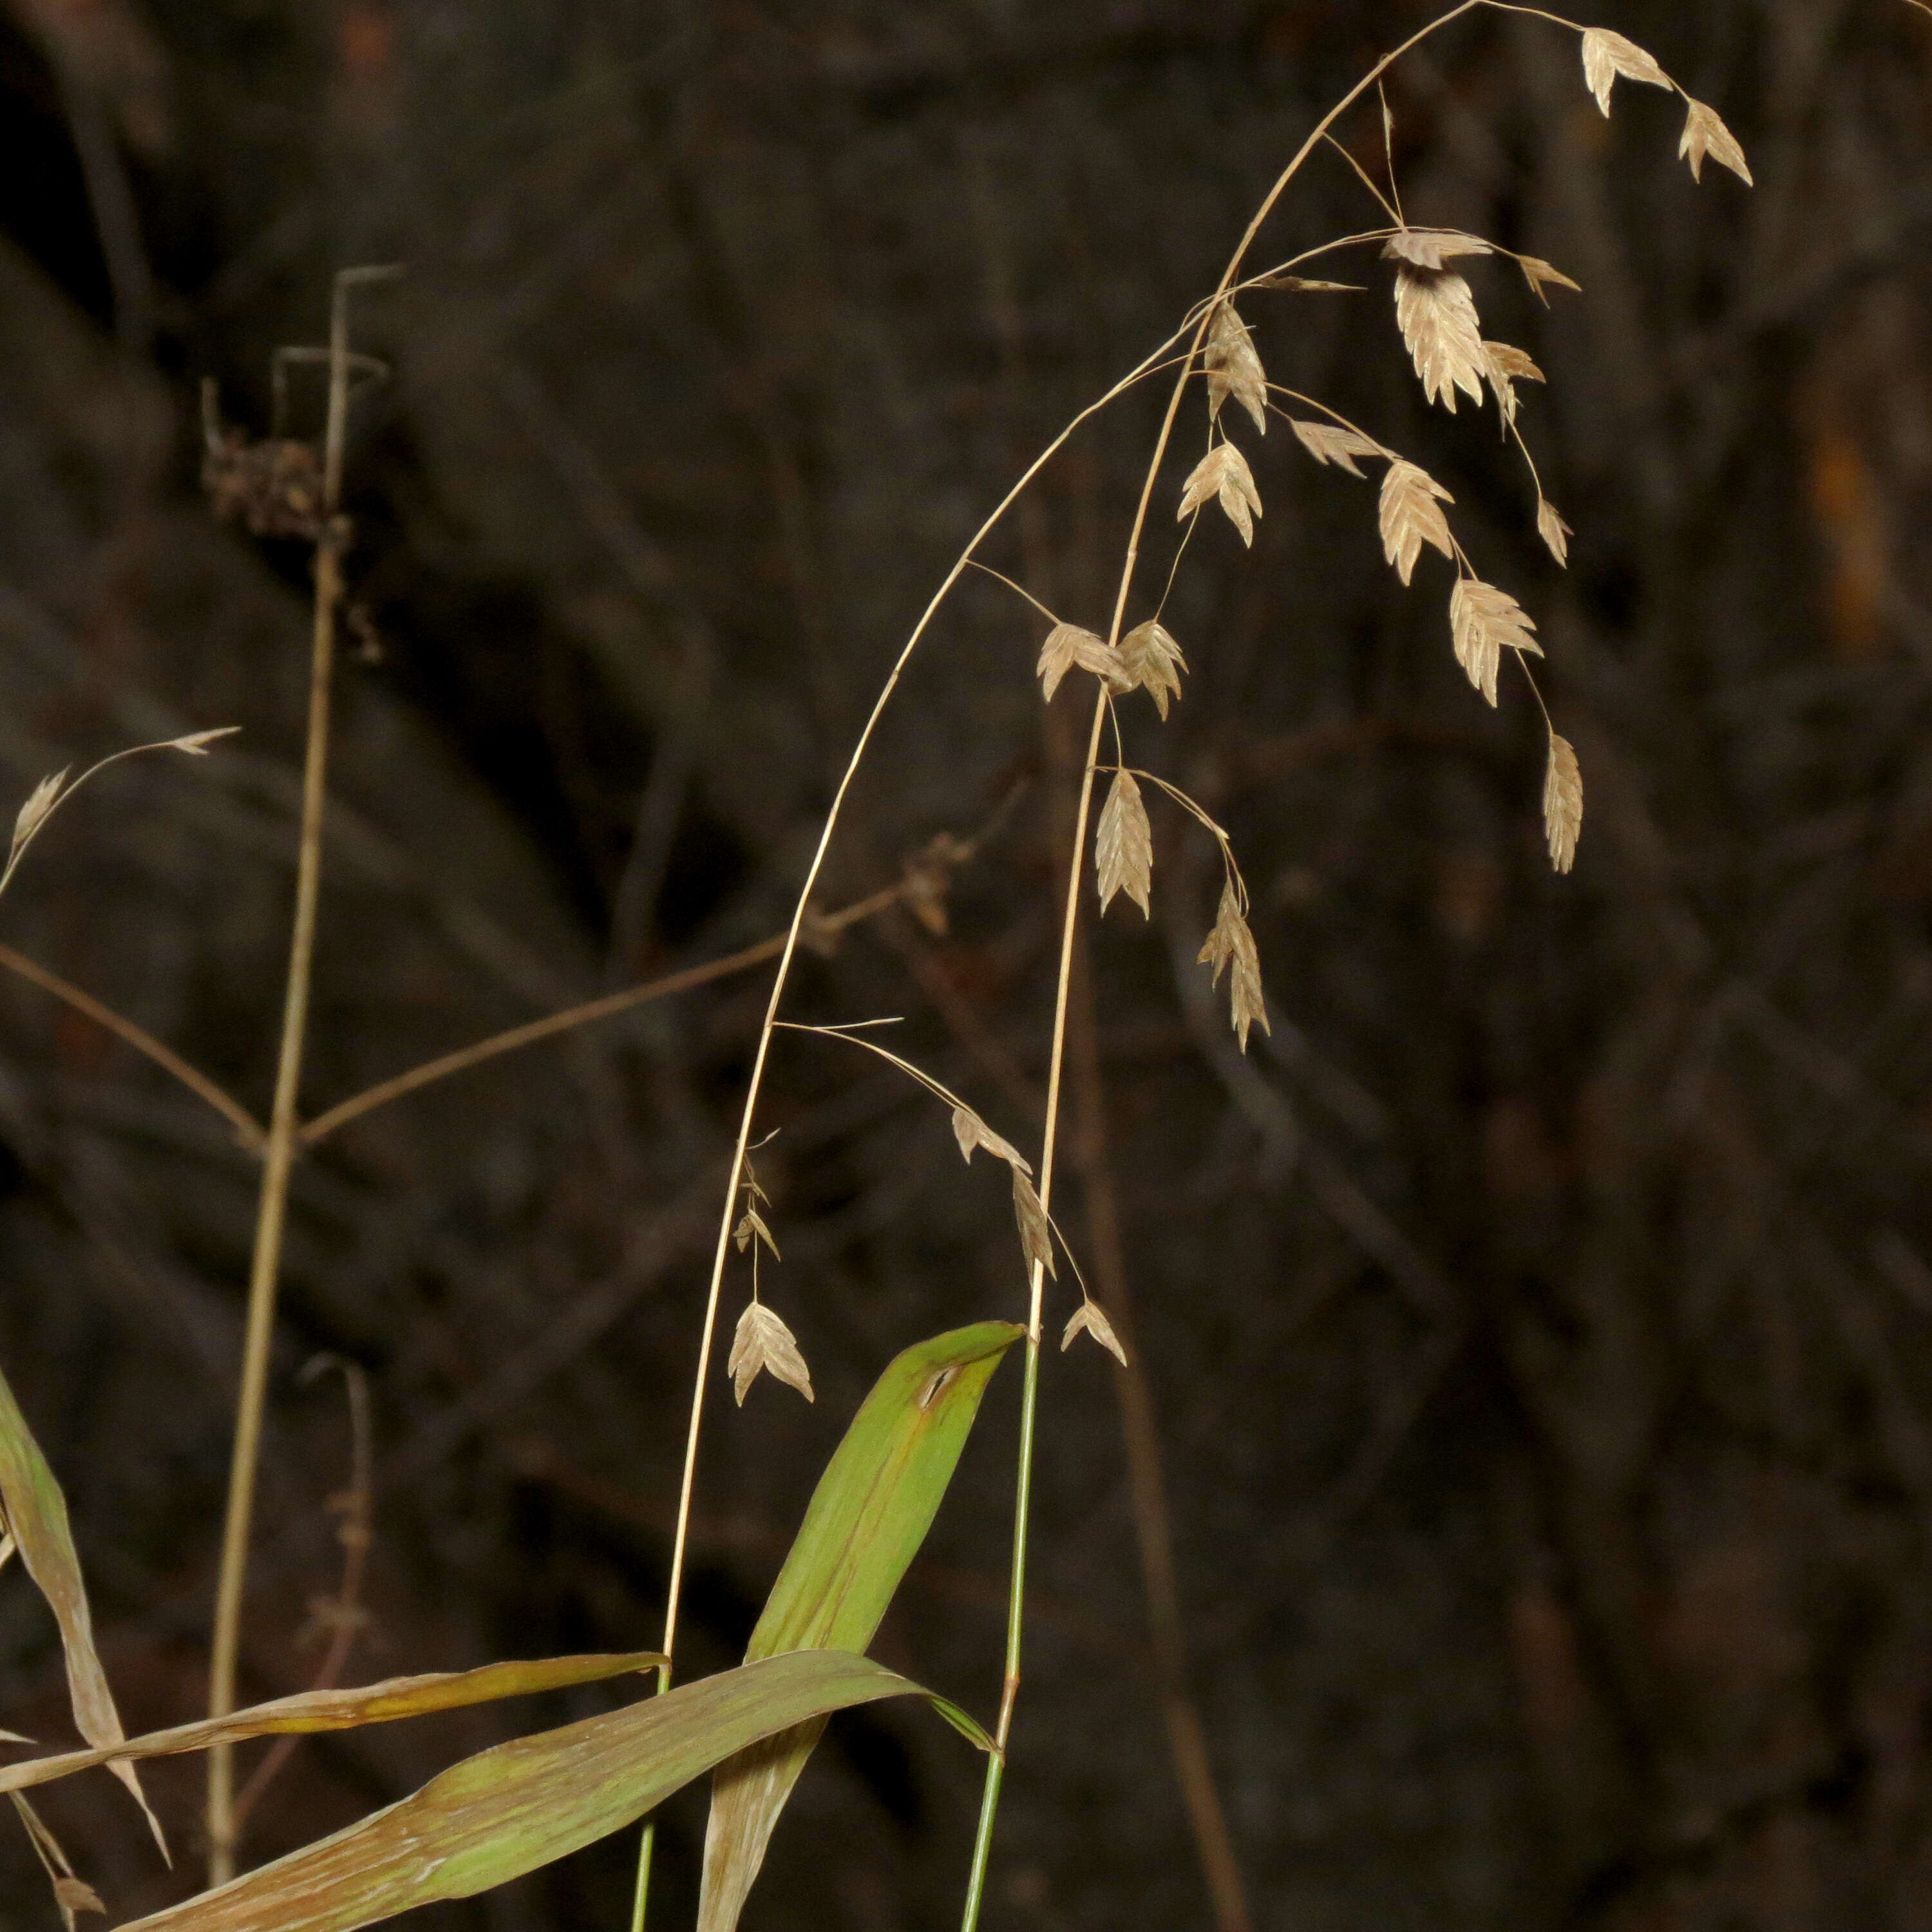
[[248, 1130]]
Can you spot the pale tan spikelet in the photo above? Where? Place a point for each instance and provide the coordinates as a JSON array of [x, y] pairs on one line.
[[1091, 1319], [40, 801], [762, 1341], [1036, 1231], [751, 1227], [1330, 442], [1431, 248], [1553, 530], [1223, 474], [1505, 365], [1538, 272], [1436, 313], [1123, 848], [1410, 517], [1606, 55], [972, 1132], [1704, 134], [196, 743], [1151, 658], [1232, 945], [1068, 645], [1306, 286], [1234, 368], [1562, 802], [1483, 620]]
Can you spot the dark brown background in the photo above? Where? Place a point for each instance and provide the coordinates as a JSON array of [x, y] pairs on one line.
[[1537, 1322]]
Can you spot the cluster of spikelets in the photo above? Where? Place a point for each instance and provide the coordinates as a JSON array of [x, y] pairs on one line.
[[1437, 318]]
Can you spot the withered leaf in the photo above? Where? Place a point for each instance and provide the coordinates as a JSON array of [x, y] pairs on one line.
[[972, 1132], [1232, 945], [1437, 315], [1704, 134], [1223, 474], [1068, 645], [1606, 55], [1562, 802], [1410, 517], [1124, 848], [762, 1341], [1482, 620], [1152, 659], [1089, 1319], [1234, 368], [1035, 1231], [1330, 442]]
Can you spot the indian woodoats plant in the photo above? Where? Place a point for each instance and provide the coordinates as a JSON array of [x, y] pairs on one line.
[[510, 1810]]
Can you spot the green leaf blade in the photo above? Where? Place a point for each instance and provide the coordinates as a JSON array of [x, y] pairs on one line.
[[523, 1804]]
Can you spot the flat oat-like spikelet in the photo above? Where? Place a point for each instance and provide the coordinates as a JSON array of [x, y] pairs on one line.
[[1411, 516], [1436, 313], [1536, 272], [1234, 368], [763, 1342], [1607, 56], [1124, 848], [1090, 1319], [1483, 620], [1562, 802], [1330, 442], [1068, 645], [1152, 658], [1704, 134], [1223, 474], [1553, 530], [1231, 944], [1505, 365], [1431, 248]]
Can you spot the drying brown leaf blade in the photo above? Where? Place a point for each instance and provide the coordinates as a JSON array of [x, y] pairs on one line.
[[1330, 442], [1539, 274], [1230, 945], [1562, 802], [1705, 133], [1431, 248], [1036, 1231], [1411, 515], [1607, 56], [313, 1710], [36, 1517], [972, 1132], [1484, 622], [1153, 660], [762, 1343], [1234, 366], [1553, 530], [1090, 1318], [524, 1804], [1072, 647], [1436, 312], [1123, 848], [1223, 475]]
